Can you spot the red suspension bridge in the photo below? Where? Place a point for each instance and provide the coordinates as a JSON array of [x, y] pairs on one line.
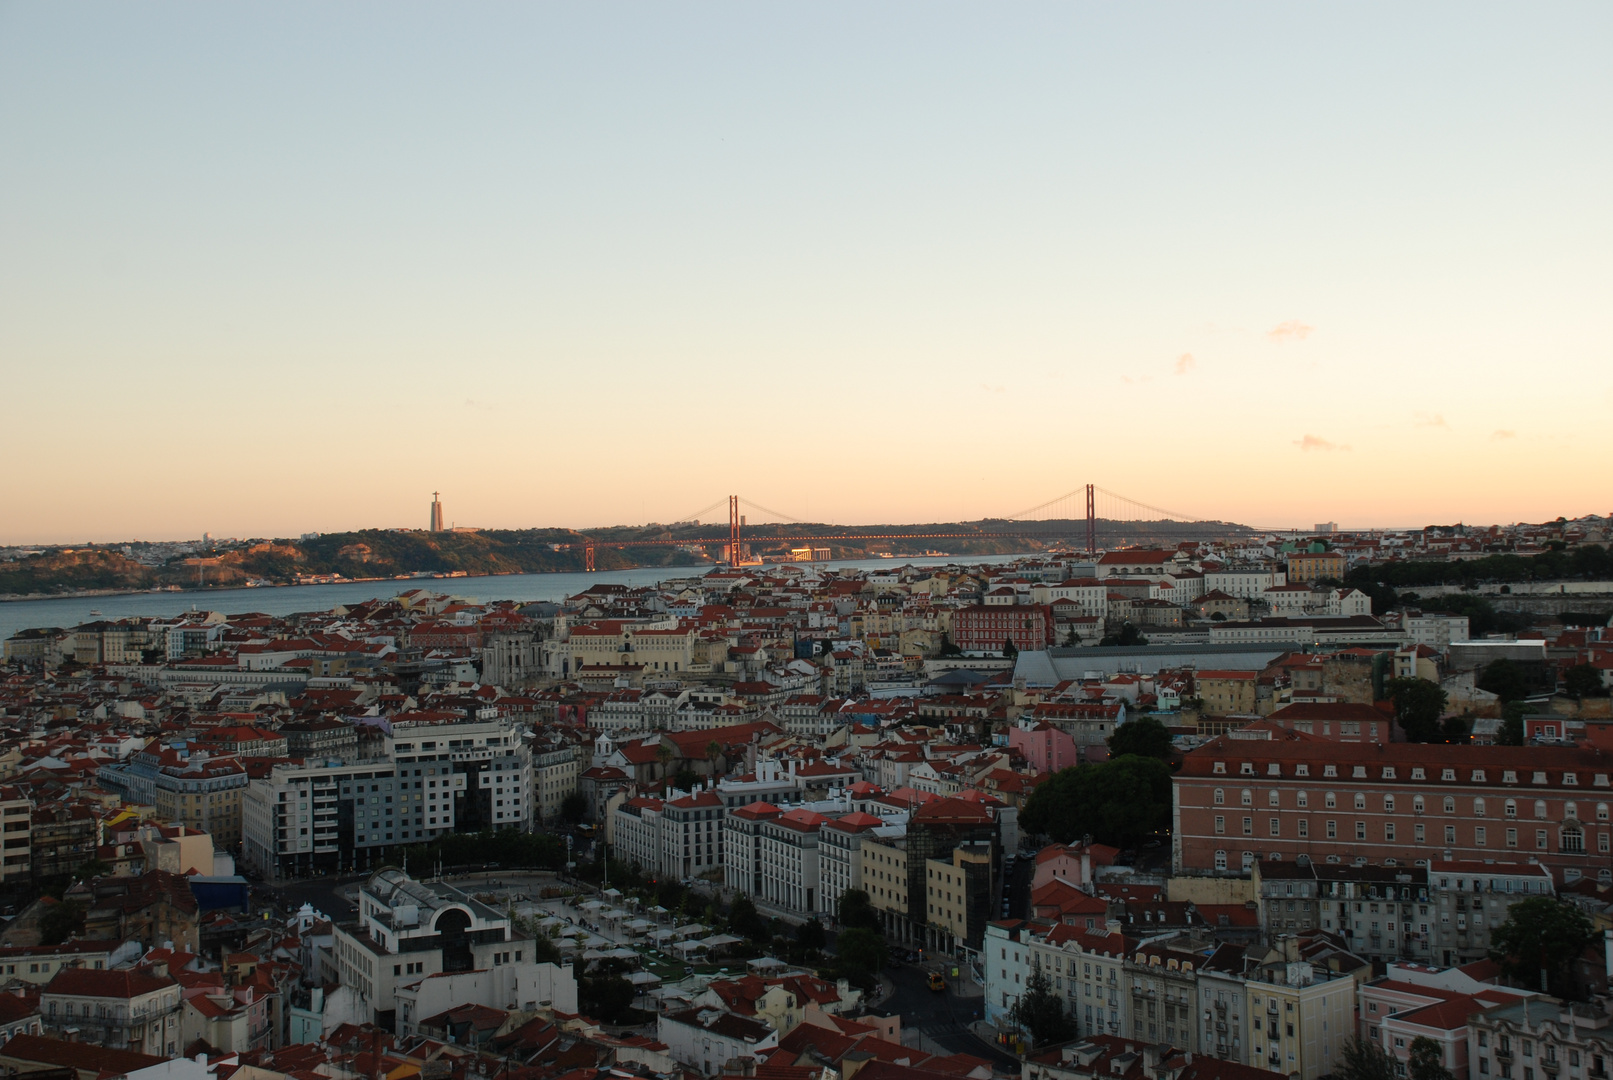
[[1086, 519]]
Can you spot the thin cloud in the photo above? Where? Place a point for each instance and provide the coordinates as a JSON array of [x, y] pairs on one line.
[[1501, 434], [1292, 330], [1430, 420], [1316, 442], [1185, 363], [991, 389]]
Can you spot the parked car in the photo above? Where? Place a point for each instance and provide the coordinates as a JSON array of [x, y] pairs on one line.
[[937, 981]]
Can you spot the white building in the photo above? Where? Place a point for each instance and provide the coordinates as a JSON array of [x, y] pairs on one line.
[[407, 930], [1244, 582], [1436, 631], [524, 983], [707, 1039]]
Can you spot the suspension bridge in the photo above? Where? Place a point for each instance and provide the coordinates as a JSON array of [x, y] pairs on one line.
[[1088, 519]]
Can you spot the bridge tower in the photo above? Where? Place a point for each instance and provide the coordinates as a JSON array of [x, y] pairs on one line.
[[1092, 520], [588, 555], [733, 530]]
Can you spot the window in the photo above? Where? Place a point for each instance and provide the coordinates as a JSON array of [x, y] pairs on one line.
[[1360, 800], [1304, 798], [1330, 800], [1220, 825], [1417, 804], [1305, 830], [1540, 839], [1512, 838], [1247, 797], [1450, 834], [1388, 804], [1540, 808], [1276, 827], [1273, 798], [1249, 827], [1450, 805], [1332, 830], [1389, 831], [1360, 830], [1220, 796]]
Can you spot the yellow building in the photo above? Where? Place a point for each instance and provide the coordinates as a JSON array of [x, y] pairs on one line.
[[1226, 692], [204, 794], [947, 888], [884, 877], [1306, 566]]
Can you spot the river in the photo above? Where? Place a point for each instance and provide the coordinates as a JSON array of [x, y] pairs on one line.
[[66, 612]]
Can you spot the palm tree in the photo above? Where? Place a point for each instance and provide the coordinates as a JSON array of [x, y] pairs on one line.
[[714, 754], [663, 754]]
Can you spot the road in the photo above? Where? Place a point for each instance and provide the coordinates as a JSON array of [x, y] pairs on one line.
[[942, 1017]]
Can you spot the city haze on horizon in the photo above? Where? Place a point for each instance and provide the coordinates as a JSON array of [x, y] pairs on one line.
[[270, 271]]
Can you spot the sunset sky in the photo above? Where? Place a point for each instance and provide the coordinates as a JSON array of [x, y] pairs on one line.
[[273, 269]]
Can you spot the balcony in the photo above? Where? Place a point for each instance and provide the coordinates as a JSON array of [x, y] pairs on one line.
[[1503, 1055]]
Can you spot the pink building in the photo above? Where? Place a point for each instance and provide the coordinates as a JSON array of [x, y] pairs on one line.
[[1074, 863], [1044, 746]]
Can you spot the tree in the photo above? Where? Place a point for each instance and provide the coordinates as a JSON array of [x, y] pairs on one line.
[[1071, 640], [860, 952], [1129, 635], [663, 754], [1041, 1012], [810, 936], [685, 779], [1540, 941], [1582, 681], [1143, 736], [948, 648], [91, 869], [573, 808], [714, 755], [857, 911], [746, 921], [1510, 733], [1426, 1061], [1362, 1060], [1009, 648], [1505, 679], [606, 997], [61, 922], [1120, 801], [1418, 706]]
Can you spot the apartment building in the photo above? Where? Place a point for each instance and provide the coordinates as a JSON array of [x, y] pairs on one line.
[[840, 860], [958, 897], [1301, 1002], [555, 771], [1470, 899], [1238, 800], [1545, 1038], [635, 829], [203, 793], [884, 875], [304, 819], [984, 629], [131, 1009], [789, 863], [1086, 966], [16, 822]]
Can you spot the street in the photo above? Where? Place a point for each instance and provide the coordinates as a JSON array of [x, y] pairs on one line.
[[943, 1017]]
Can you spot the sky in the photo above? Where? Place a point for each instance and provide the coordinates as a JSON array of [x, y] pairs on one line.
[[268, 269]]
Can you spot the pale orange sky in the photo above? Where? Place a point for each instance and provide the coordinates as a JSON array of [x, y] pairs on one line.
[[269, 270]]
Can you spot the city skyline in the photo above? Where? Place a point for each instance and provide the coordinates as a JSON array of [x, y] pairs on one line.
[[269, 271]]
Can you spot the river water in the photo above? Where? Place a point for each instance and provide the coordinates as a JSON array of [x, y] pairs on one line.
[[18, 615]]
